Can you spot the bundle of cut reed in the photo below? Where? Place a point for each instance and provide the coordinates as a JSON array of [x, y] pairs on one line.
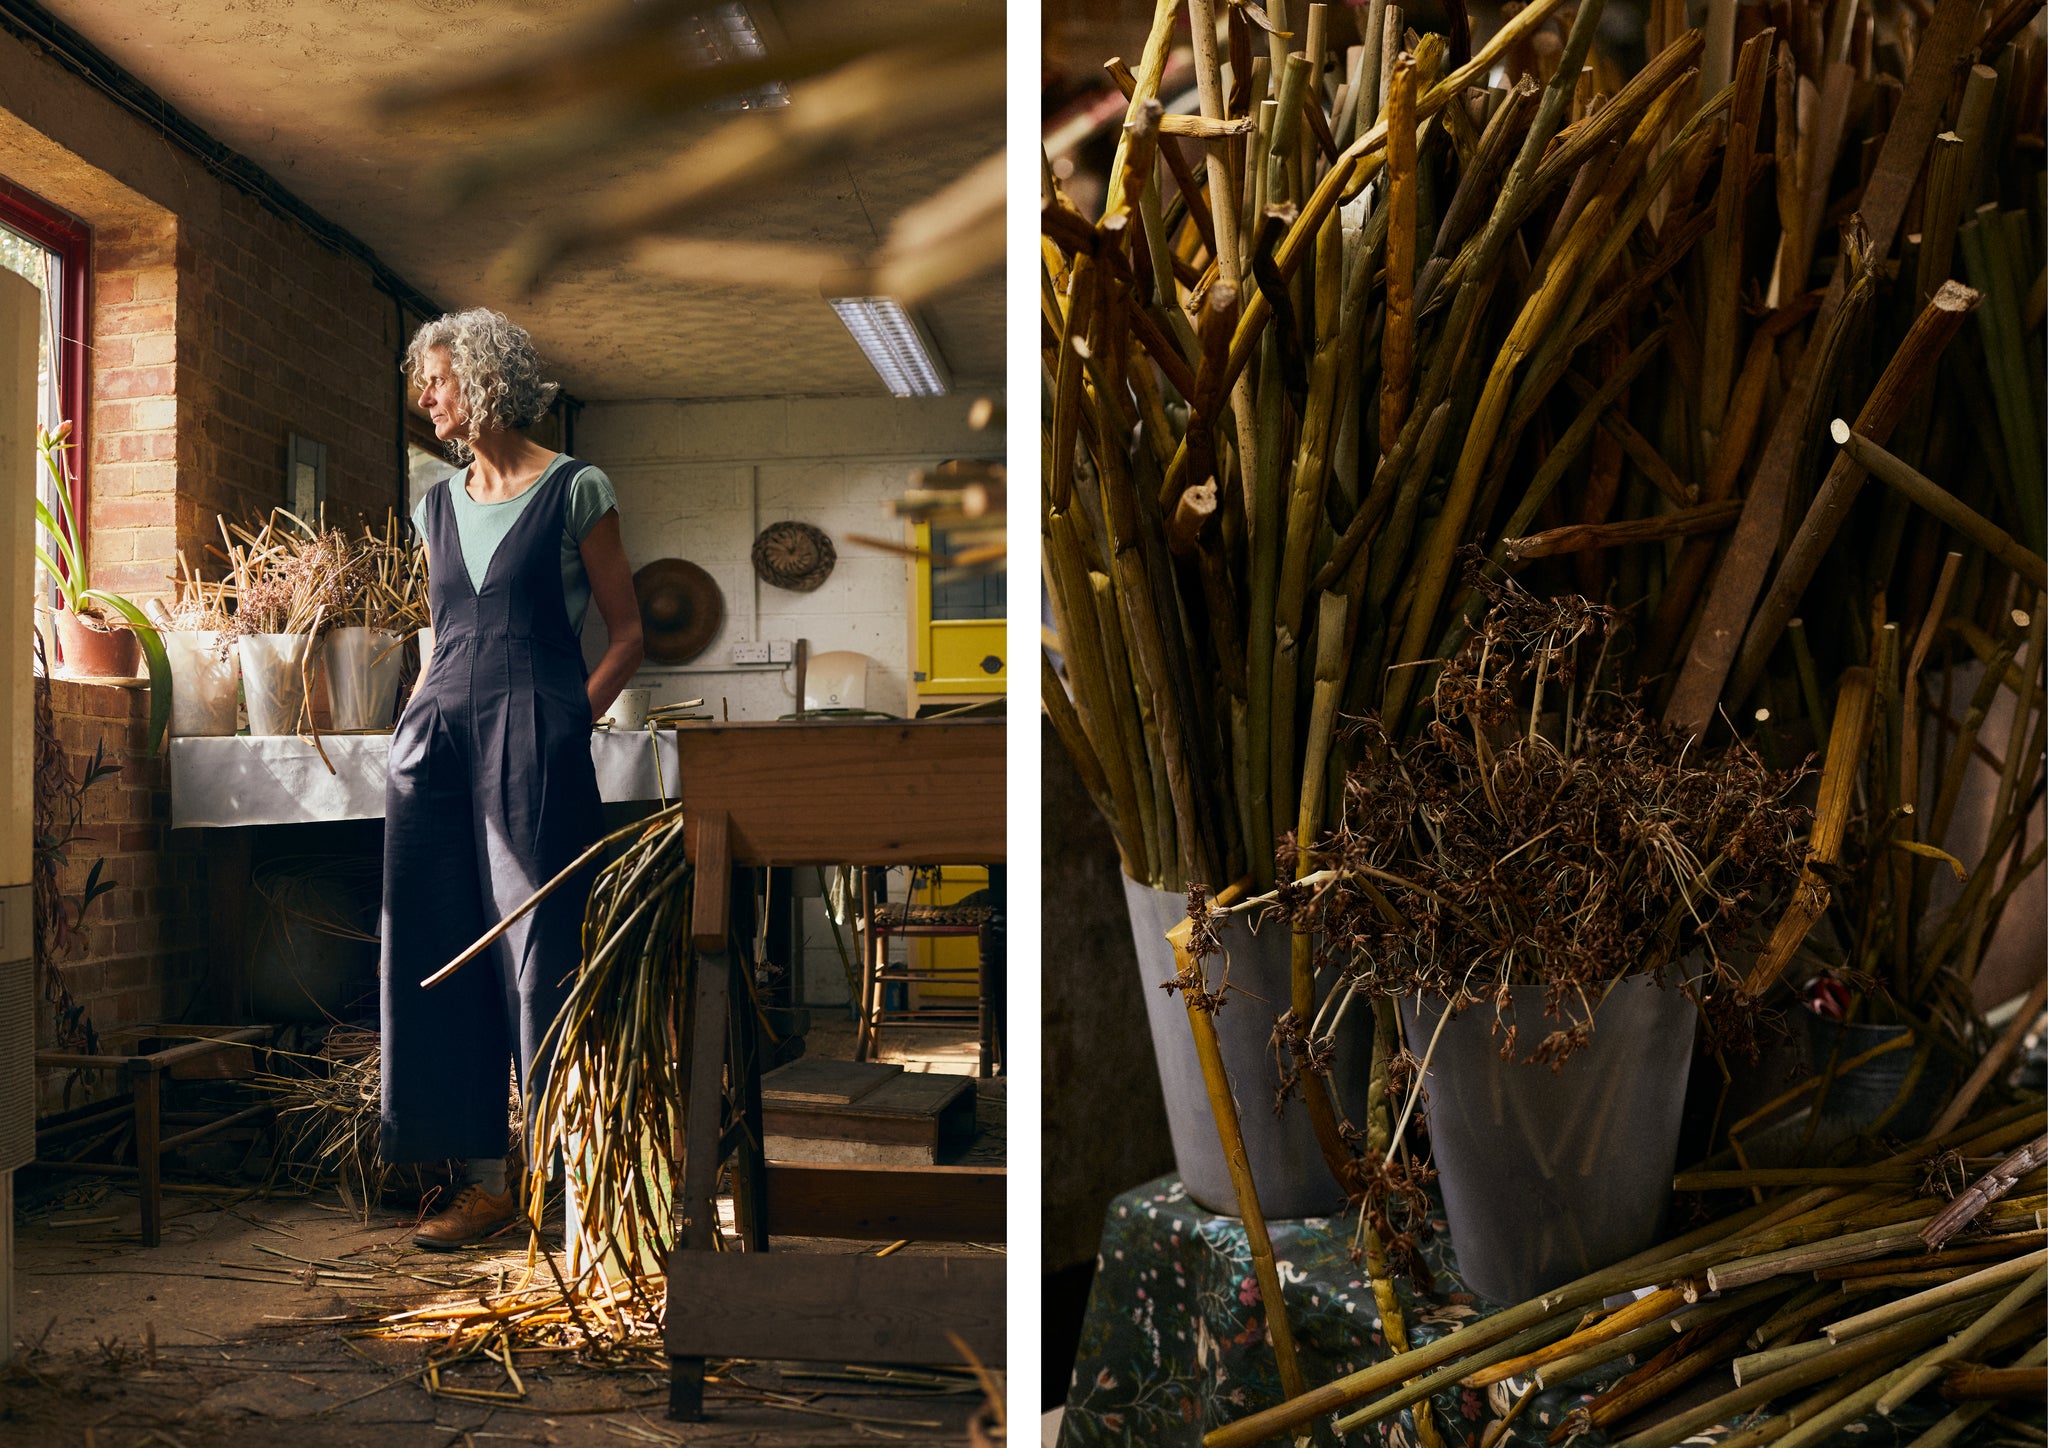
[[1823, 1297], [616, 1079], [198, 605], [839, 87], [1384, 300], [390, 567], [288, 578]]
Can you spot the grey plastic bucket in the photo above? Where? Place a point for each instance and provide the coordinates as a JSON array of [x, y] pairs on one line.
[[1287, 1166], [1860, 1099], [1548, 1175]]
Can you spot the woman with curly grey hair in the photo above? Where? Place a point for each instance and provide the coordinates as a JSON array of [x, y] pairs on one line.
[[490, 791]]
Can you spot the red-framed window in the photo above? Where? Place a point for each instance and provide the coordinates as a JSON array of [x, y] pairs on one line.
[[67, 288]]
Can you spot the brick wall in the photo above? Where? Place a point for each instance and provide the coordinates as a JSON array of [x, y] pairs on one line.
[[141, 955], [132, 475], [220, 328], [279, 334]]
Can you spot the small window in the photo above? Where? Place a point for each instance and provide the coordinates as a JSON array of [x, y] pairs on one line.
[[53, 250], [423, 469]]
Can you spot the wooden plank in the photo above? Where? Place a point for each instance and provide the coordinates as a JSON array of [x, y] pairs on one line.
[[917, 1093], [877, 793], [886, 1203], [826, 1124], [915, 1109], [707, 840], [812, 1080], [804, 1307], [851, 1151]]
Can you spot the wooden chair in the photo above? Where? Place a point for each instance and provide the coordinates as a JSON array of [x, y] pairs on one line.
[[888, 920]]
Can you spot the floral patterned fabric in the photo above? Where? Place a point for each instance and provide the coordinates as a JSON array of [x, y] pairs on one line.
[[1174, 1340]]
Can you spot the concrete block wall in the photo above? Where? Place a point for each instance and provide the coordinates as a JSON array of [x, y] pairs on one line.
[[696, 480]]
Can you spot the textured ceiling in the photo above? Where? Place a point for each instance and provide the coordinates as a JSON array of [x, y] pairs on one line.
[[288, 83]]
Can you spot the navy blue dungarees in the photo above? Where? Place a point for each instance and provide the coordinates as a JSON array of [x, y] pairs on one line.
[[489, 795]]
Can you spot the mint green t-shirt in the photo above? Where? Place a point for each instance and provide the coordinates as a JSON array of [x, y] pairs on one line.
[[483, 526]]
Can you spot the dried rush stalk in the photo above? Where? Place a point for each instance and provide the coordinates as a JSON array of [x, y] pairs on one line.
[[617, 1079]]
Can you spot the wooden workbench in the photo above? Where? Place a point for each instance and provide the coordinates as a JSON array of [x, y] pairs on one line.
[[801, 793]]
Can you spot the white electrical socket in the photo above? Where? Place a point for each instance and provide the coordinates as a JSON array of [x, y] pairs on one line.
[[781, 651], [750, 653]]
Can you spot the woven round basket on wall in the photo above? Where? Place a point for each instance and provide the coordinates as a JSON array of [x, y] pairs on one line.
[[794, 555]]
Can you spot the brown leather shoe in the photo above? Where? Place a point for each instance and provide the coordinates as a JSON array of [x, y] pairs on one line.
[[474, 1215]]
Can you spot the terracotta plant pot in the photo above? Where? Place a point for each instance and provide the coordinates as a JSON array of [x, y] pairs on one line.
[[97, 652]]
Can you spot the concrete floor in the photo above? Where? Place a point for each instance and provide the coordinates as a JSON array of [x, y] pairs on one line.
[[244, 1328]]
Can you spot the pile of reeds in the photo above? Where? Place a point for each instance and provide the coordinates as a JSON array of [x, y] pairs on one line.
[[1635, 324], [329, 1110], [616, 1072], [839, 87], [1846, 1290], [1390, 295], [285, 577], [617, 1082], [198, 604], [328, 1115], [391, 566]]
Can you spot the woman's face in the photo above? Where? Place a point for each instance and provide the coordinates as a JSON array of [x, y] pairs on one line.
[[440, 398]]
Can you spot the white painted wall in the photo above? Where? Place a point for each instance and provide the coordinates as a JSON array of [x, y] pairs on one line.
[[687, 474], [697, 480]]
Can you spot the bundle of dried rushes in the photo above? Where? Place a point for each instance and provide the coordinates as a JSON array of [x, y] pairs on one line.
[[288, 578], [1500, 848], [198, 604], [1825, 1296], [284, 577]]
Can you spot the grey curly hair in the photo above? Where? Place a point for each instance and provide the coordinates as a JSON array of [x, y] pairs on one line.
[[496, 368]]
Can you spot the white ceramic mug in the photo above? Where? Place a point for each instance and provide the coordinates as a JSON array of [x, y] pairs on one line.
[[629, 710]]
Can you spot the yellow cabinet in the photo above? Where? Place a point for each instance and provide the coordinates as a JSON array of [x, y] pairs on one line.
[[958, 643]]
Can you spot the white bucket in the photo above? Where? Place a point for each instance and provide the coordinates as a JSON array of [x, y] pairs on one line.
[[426, 641], [274, 681], [362, 665], [202, 683]]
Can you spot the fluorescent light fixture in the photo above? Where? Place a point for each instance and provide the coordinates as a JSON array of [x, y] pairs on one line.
[[894, 344], [725, 34]]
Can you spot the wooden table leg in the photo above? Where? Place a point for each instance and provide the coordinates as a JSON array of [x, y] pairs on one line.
[[750, 1162], [864, 939], [703, 1123], [148, 1154], [985, 1016]]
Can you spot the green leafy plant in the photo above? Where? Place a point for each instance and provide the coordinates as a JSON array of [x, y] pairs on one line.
[[67, 570]]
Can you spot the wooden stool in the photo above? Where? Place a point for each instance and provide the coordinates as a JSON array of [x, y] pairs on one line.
[[143, 1074], [887, 920]]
